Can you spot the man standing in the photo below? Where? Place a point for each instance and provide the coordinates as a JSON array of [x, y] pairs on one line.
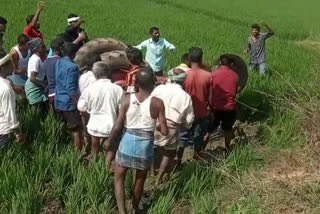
[[20, 55], [135, 63], [197, 85], [138, 114], [223, 104], [67, 92], [36, 84], [256, 48], [102, 101], [8, 118], [73, 30], [50, 67], [179, 114], [156, 48], [33, 25]]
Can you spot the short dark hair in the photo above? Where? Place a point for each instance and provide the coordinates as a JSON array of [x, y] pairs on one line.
[[227, 60], [72, 15], [152, 29], [70, 49], [57, 44], [185, 57], [255, 26], [29, 19], [134, 55], [195, 54], [145, 78], [22, 39], [3, 20]]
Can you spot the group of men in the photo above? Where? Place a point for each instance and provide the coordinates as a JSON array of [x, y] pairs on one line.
[[130, 121]]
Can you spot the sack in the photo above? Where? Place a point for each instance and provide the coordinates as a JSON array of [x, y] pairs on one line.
[[91, 51], [116, 60]]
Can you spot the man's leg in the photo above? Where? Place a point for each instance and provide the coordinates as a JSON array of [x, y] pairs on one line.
[[95, 146], [156, 160], [73, 119], [141, 176], [228, 120], [86, 136], [263, 69], [166, 162], [228, 136], [119, 178], [200, 130], [252, 67], [110, 152], [183, 143], [77, 139]]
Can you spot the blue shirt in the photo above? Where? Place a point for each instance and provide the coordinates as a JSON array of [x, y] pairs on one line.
[[67, 78], [50, 68], [155, 55]]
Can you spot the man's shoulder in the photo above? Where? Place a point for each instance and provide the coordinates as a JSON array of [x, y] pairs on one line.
[[116, 87], [51, 60], [30, 26], [34, 57], [203, 73], [68, 63]]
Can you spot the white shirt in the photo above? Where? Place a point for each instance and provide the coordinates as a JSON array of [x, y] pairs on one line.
[[102, 101], [35, 64], [23, 61], [138, 115], [85, 80], [155, 52], [8, 117], [177, 103]]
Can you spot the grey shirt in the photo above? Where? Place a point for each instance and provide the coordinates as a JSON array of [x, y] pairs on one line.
[[257, 48]]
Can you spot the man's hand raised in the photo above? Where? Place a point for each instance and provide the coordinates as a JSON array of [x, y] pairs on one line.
[[40, 5]]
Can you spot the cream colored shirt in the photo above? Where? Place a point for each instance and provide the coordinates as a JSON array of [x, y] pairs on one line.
[[178, 104], [102, 101]]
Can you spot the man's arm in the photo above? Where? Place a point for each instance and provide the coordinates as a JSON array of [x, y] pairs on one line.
[[40, 7], [142, 45], [157, 111], [34, 68], [35, 81], [4, 60], [270, 31], [15, 63], [72, 83], [168, 45], [83, 101], [189, 116], [82, 36], [248, 49]]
